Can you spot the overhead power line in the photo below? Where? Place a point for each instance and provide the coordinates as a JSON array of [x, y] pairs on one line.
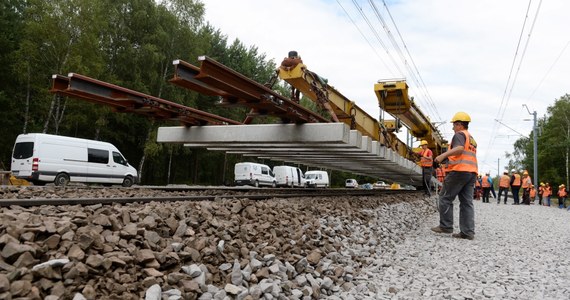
[[510, 84]]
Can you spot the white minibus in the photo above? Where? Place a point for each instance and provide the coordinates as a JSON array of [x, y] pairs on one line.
[[42, 158]]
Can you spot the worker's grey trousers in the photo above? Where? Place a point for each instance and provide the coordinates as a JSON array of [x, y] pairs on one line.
[[459, 184]]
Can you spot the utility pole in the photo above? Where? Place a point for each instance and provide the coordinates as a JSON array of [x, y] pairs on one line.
[[535, 146]]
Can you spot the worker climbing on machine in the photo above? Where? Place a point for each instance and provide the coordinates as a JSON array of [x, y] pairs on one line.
[[504, 183], [460, 181], [426, 162], [515, 186]]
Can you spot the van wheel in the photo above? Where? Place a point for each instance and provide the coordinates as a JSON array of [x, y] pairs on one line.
[[61, 179], [128, 181], [256, 183]]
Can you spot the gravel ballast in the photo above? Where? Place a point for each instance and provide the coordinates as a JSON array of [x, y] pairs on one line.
[[367, 247], [519, 252]]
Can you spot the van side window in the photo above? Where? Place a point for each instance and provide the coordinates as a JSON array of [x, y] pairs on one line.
[[97, 156], [118, 158], [264, 171], [23, 150]]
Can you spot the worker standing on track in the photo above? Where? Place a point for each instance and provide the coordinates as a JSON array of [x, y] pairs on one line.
[[486, 184], [504, 184], [426, 162], [526, 183], [515, 186], [547, 193], [459, 181], [532, 193], [562, 196]]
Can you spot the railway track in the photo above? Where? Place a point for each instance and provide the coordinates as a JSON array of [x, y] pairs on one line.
[[68, 195]]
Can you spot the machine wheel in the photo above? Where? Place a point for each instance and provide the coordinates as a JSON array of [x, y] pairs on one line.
[[128, 181], [256, 184], [61, 179]]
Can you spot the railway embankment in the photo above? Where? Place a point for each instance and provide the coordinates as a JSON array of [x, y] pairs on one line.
[[314, 247]]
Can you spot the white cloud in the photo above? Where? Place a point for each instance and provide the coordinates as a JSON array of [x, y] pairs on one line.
[[463, 50]]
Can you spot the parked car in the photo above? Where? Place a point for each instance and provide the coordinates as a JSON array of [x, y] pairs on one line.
[[317, 179], [380, 185], [351, 183]]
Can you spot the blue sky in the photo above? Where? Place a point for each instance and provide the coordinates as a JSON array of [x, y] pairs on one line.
[[463, 52]]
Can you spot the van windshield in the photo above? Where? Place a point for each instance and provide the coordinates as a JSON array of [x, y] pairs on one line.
[[118, 158], [311, 176], [23, 150]]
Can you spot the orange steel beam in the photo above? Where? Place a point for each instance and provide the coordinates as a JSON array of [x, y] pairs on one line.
[[234, 89], [124, 100]]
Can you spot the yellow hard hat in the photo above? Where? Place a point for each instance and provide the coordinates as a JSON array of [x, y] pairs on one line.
[[562, 185], [461, 116], [525, 172], [542, 183], [423, 142]]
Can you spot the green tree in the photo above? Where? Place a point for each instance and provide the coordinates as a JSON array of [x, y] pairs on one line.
[[553, 145]]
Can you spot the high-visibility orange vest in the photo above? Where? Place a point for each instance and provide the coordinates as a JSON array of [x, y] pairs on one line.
[[517, 181], [505, 181], [540, 190], [439, 174], [426, 160], [477, 183], [562, 192], [532, 193], [547, 191], [467, 160], [526, 182], [485, 182]]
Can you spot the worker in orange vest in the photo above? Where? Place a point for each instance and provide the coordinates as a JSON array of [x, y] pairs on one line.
[[486, 183], [478, 189], [459, 181], [547, 193], [440, 175], [526, 183], [426, 162], [562, 196], [532, 193], [515, 185], [540, 193], [504, 183]]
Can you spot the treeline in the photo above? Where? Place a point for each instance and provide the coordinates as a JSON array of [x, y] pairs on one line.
[[130, 43], [553, 146]]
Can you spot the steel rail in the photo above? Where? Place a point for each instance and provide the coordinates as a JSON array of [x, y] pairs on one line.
[[235, 90], [126, 100], [125, 200]]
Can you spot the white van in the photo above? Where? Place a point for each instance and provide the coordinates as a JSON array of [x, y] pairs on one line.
[[248, 173], [351, 183], [317, 179], [42, 158], [289, 176]]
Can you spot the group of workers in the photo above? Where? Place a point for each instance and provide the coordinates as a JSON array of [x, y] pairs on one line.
[[516, 182]]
